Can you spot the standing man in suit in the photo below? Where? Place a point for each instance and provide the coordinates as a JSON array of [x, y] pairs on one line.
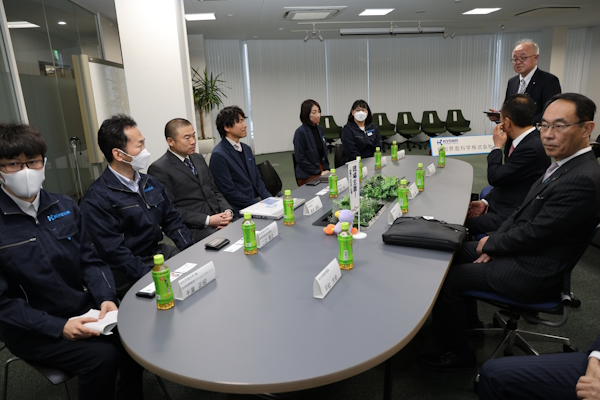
[[531, 80], [527, 161], [189, 183], [232, 162], [525, 259]]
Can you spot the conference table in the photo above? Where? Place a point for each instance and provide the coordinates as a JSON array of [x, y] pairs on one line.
[[257, 328]]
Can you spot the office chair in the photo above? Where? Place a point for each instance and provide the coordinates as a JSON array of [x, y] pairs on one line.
[[431, 124], [54, 375], [456, 124], [386, 128], [338, 155], [408, 129], [270, 178], [295, 163], [332, 130]]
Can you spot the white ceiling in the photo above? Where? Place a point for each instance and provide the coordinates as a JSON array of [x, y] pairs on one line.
[[260, 19]]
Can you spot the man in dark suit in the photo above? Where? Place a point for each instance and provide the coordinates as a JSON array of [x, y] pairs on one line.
[[189, 183], [511, 180], [232, 162], [525, 259], [531, 80]]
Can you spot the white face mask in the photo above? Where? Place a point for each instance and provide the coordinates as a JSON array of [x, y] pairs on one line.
[[25, 183], [140, 161], [360, 116]]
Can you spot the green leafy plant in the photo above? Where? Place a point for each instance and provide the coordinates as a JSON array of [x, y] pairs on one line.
[[208, 94], [368, 210], [381, 187]]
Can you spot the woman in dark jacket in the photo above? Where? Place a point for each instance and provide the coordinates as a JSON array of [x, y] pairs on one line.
[[360, 135], [310, 148]]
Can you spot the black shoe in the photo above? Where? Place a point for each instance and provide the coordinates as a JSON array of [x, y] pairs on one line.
[[447, 361]]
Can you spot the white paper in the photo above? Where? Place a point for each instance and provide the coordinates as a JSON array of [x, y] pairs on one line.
[[326, 279], [365, 172], [266, 234], [194, 281], [322, 192], [105, 325], [401, 154], [311, 206], [235, 247], [395, 212], [354, 185], [342, 185], [413, 191], [430, 170]]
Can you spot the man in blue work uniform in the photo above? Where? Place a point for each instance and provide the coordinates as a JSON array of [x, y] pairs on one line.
[[46, 259], [126, 211]]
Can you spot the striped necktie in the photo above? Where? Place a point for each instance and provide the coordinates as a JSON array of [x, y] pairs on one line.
[[190, 166], [522, 86]]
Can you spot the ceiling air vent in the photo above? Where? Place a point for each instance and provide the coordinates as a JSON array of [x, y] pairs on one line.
[[310, 13], [546, 11]]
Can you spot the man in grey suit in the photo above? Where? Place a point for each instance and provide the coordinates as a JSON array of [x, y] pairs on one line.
[[525, 259], [189, 182]]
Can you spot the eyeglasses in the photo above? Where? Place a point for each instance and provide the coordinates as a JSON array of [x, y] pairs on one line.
[[17, 166], [559, 127], [521, 59]]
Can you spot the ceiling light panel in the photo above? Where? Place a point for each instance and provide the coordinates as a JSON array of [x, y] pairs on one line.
[[200, 17], [21, 24], [310, 13], [376, 12], [481, 11]]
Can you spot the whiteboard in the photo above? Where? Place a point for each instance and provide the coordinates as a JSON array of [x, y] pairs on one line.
[[109, 89]]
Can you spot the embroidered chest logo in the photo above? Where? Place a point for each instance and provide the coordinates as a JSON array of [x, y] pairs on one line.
[[59, 215]]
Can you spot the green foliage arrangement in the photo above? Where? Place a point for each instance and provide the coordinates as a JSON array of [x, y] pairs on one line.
[[208, 94], [381, 187], [368, 209]]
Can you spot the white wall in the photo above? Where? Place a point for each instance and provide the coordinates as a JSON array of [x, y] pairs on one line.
[[110, 40]]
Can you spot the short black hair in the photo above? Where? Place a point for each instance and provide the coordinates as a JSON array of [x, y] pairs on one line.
[[584, 107], [305, 110], [228, 117], [111, 134], [520, 109], [17, 139], [173, 125], [362, 104]]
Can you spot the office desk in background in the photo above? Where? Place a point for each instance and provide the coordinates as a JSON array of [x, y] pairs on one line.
[[258, 329]]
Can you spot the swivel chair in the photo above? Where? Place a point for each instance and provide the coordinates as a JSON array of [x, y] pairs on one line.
[[332, 130], [338, 155], [408, 129], [270, 178], [456, 124], [431, 124], [386, 128], [295, 163]]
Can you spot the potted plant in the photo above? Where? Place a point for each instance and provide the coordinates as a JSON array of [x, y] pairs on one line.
[[208, 94]]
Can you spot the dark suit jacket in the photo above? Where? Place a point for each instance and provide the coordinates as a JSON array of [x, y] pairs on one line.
[[534, 245], [305, 150], [195, 197], [237, 182], [542, 86]]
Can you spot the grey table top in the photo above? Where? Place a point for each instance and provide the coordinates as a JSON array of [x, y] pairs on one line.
[[257, 328]]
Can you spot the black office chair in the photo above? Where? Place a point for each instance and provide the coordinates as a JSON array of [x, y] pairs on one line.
[[331, 129], [270, 178], [339, 154], [456, 124], [295, 163], [386, 128], [54, 375], [408, 129], [431, 124]]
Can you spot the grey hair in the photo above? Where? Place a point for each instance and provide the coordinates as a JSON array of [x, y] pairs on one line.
[[529, 41]]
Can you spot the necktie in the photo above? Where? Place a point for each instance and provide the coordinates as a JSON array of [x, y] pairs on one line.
[[238, 147], [512, 148], [550, 170], [522, 86], [190, 166]]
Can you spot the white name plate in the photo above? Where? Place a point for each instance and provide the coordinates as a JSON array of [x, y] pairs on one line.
[[266, 234], [311, 206], [365, 172], [430, 170], [196, 280], [463, 145], [401, 154], [395, 212], [383, 161], [413, 191], [151, 289], [342, 185], [327, 279]]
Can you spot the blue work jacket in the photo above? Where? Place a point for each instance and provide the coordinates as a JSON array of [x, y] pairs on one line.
[[358, 143], [306, 153]]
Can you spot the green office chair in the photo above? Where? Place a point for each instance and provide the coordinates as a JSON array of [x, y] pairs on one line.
[[408, 129], [456, 124], [431, 124], [386, 128], [332, 130]]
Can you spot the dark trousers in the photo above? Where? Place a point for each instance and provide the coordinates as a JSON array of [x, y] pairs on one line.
[[548, 376], [199, 234], [453, 312], [96, 361]]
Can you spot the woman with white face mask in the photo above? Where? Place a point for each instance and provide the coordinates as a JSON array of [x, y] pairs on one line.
[[360, 135]]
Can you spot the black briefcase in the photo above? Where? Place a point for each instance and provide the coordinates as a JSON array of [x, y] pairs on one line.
[[425, 233]]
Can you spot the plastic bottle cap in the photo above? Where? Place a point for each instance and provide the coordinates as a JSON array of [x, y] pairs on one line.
[[247, 216], [441, 147], [394, 142], [287, 192], [358, 158], [345, 226], [377, 149], [420, 165], [159, 259], [332, 170], [403, 181]]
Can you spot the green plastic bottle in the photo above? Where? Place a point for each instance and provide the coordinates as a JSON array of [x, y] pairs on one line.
[[441, 157], [162, 281], [333, 190], [289, 218], [360, 167], [249, 229], [420, 177], [394, 151], [377, 158], [403, 196], [345, 257]]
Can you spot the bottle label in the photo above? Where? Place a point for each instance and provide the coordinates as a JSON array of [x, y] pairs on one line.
[[394, 153], [377, 160], [333, 189], [345, 249], [288, 210], [403, 199], [162, 282], [420, 183], [249, 236], [442, 158]]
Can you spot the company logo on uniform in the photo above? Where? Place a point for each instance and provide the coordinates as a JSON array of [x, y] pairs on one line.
[[57, 216], [148, 189]]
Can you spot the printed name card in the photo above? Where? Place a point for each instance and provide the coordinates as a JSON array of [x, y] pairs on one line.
[[196, 280], [312, 205], [365, 172], [401, 154], [395, 212], [323, 191], [430, 170], [151, 289], [235, 247], [342, 185], [327, 279], [266, 234], [383, 161], [413, 191]]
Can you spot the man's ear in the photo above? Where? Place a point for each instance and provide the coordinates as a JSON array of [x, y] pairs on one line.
[[588, 127], [170, 142], [117, 155]]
